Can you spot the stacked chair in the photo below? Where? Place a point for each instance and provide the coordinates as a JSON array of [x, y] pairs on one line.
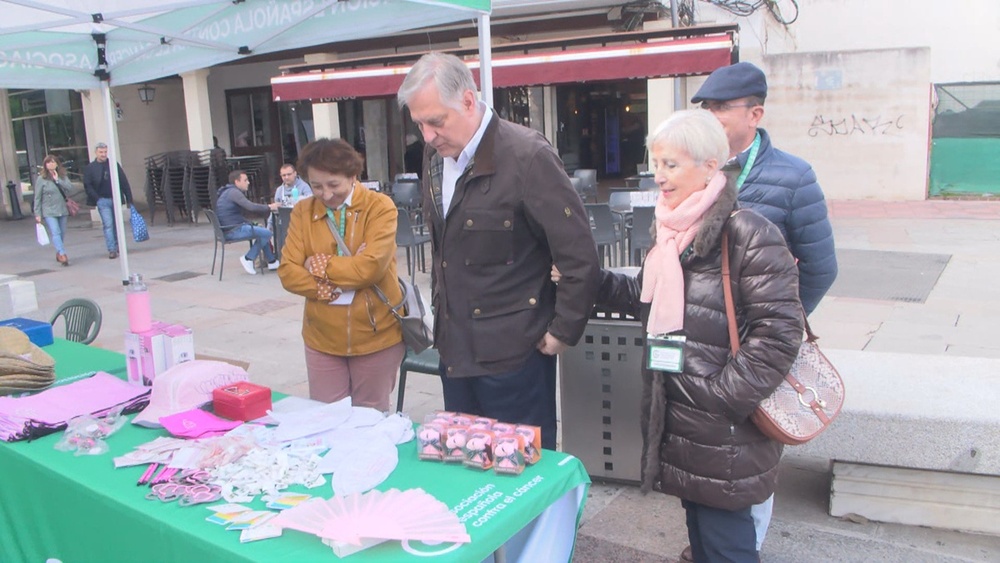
[[155, 195], [207, 172], [175, 184], [185, 182], [258, 171]]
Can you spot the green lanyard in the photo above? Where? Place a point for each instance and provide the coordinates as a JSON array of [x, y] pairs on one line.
[[750, 160], [341, 225]]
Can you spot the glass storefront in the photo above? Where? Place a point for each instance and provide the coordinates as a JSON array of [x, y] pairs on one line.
[[602, 126], [48, 122], [598, 125]]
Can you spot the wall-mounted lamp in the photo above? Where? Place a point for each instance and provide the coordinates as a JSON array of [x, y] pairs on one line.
[[147, 93]]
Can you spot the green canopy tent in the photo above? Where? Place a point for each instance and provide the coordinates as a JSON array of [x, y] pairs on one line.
[[96, 44]]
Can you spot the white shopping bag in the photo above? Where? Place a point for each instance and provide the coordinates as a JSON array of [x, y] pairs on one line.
[[41, 234]]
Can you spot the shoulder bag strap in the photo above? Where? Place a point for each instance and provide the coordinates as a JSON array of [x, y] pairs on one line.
[[727, 289], [340, 240], [378, 292], [392, 309]]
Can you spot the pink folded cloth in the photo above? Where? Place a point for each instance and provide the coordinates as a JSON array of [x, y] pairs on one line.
[[196, 423], [48, 411]]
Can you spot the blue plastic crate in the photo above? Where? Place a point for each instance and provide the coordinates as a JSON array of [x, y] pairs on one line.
[[40, 333]]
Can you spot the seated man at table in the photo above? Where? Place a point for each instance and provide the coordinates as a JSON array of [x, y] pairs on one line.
[[290, 179], [231, 206]]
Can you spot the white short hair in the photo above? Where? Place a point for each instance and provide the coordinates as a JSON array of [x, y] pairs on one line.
[[695, 131], [449, 74]]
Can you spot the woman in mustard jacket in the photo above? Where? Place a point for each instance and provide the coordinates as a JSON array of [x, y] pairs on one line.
[[353, 343]]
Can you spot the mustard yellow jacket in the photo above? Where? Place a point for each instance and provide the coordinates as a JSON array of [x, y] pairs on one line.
[[366, 325]]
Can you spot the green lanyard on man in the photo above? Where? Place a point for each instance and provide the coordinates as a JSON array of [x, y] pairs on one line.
[[751, 158]]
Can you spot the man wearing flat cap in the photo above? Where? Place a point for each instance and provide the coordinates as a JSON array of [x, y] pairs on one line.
[[778, 185]]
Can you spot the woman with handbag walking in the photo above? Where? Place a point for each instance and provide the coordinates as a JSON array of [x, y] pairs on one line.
[[699, 443], [51, 203], [340, 247]]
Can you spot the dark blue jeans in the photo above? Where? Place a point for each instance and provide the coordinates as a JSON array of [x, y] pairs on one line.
[[721, 535], [106, 208], [260, 238], [523, 396]]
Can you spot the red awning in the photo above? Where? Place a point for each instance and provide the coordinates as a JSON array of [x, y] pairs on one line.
[[700, 55]]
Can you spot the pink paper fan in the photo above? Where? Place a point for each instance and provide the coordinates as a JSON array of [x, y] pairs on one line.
[[360, 517]]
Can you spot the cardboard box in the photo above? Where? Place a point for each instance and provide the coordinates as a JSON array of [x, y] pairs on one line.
[[238, 363], [39, 333]]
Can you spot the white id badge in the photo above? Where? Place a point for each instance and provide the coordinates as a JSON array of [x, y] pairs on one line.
[[665, 352]]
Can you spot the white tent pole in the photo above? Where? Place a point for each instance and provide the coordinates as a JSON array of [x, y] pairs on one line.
[[116, 196], [485, 60]]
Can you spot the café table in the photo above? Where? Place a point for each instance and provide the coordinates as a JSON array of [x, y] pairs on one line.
[[57, 506], [279, 223]]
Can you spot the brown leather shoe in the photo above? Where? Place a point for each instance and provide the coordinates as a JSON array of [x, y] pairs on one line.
[[112, 255], [62, 259], [686, 556]]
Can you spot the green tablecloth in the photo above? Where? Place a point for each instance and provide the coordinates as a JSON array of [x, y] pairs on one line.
[[57, 505]]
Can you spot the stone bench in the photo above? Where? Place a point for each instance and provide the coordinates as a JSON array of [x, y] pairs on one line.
[[918, 440], [17, 297]]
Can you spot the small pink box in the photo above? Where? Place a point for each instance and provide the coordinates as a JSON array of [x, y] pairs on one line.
[[241, 401]]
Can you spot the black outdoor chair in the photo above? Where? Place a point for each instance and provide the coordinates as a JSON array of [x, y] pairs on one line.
[[588, 178], [407, 237], [428, 361], [577, 184], [640, 238], [220, 240], [604, 228], [648, 183]]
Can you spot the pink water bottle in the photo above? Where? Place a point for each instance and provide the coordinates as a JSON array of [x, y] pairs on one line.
[[140, 315]]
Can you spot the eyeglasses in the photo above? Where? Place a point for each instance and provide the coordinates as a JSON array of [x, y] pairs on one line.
[[723, 106]]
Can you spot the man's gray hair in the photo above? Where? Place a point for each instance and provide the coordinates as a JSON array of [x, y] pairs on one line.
[[101, 145], [449, 74], [695, 131]]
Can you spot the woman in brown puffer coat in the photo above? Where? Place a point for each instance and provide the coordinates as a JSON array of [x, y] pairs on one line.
[[698, 442]]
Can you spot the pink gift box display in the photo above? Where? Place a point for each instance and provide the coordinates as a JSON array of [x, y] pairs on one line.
[[154, 351]]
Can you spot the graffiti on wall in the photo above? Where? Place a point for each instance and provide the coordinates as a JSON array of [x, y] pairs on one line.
[[854, 125]]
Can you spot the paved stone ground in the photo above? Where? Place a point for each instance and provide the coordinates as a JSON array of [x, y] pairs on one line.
[[253, 319]]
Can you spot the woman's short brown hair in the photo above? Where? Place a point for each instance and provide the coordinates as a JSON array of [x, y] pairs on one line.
[[334, 156]]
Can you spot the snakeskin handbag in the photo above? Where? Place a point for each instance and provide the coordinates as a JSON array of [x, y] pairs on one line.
[[809, 398]]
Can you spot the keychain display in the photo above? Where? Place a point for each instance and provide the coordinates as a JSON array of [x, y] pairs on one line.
[[85, 435]]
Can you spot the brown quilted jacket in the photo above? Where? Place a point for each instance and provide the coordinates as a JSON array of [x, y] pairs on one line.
[[705, 448]]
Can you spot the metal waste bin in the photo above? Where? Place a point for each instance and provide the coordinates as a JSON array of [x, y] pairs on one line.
[[600, 390]]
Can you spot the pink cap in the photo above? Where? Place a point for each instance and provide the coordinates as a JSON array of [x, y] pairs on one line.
[[186, 386]]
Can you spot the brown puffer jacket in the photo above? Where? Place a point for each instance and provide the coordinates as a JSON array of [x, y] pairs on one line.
[[706, 449]]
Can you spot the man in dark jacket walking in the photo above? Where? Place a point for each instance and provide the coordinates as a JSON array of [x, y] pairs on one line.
[[501, 212], [779, 186], [97, 183]]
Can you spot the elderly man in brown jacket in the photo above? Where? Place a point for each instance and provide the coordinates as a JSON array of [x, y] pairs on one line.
[[501, 211]]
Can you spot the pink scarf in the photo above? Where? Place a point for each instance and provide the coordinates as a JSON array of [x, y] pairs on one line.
[[663, 279]]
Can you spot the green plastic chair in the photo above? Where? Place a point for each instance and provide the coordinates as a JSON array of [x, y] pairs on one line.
[[82, 320]]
